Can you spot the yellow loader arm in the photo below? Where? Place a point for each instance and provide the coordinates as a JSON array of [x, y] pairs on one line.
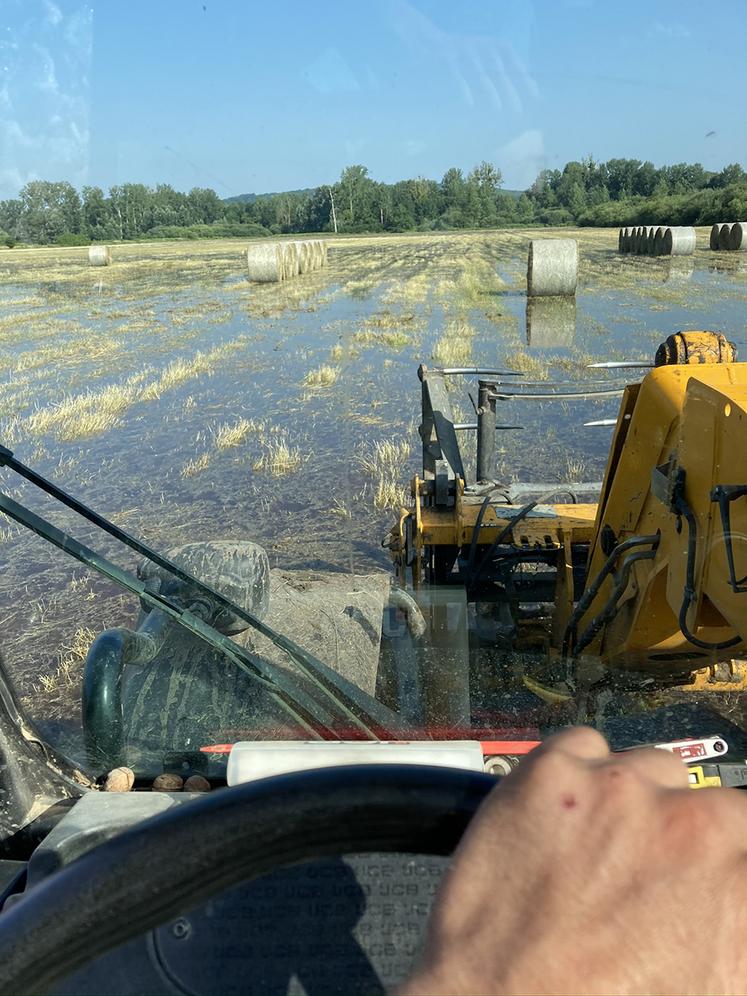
[[677, 470]]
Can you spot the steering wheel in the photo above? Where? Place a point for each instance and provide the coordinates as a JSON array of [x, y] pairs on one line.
[[132, 884]]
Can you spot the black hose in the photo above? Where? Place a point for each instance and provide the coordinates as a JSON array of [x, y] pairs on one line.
[[683, 509], [591, 592], [507, 529], [610, 607], [476, 530]]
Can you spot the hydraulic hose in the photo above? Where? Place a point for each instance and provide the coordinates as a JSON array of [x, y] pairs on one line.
[[507, 529], [610, 607], [683, 509], [591, 592]]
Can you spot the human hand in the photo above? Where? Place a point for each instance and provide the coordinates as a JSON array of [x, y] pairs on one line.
[[591, 872]]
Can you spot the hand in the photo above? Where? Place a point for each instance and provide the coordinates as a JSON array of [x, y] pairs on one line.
[[591, 872]]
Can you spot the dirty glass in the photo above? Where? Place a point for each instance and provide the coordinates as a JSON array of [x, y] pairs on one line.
[[421, 146]]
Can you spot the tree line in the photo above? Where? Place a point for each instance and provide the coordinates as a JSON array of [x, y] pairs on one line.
[[615, 193]]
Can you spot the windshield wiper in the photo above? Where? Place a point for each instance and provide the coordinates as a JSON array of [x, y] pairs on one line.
[[357, 711]]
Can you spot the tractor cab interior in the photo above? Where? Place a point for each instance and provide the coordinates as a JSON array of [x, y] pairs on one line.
[[325, 502]]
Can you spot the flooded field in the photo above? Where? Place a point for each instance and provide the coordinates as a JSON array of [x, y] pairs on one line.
[[185, 403]]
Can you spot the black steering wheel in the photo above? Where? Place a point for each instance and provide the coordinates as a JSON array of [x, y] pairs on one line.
[[132, 883]]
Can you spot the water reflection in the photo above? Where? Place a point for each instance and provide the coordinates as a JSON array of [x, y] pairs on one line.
[[679, 270], [551, 321], [734, 265]]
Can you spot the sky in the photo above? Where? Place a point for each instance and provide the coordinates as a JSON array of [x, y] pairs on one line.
[[256, 97]]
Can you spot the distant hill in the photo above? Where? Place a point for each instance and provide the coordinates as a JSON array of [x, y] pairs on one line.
[[251, 198]]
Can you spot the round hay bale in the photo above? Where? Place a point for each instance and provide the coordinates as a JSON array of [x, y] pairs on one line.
[[290, 260], [552, 268], [265, 263], [551, 322], [318, 254], [738, 237], [637, 240], [658, 249], [679, 241], [99, 256], [303, 251], [620, 235], [715, 230], [723, 236]]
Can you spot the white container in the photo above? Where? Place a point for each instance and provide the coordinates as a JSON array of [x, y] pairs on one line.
[[250, 760]]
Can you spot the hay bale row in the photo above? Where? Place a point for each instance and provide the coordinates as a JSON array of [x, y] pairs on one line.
[[552, 269], [657, 240], [275, 261], [729, 236], [99, 256]]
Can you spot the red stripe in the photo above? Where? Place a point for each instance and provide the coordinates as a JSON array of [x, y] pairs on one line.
[[508, 746]]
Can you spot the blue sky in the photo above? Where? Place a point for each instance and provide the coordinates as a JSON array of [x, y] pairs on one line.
[[270, 96]]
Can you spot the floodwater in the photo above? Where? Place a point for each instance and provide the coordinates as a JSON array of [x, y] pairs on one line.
[[91, 394]]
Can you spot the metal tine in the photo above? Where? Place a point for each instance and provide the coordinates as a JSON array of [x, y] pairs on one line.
[[559, 396], [475, 371], [550, 383], [620, 365], [609, 421], [473, 425], [513, 383]]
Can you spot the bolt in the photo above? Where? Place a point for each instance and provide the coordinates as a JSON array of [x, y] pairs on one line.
[[181, 929], [719, 746]]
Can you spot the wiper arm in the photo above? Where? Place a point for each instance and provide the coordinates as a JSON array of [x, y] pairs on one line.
[[359, 710]]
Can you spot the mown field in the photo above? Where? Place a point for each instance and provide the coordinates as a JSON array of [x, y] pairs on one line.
[[184, 402]]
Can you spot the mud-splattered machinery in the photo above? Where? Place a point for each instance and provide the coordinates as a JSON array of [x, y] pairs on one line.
[[646, 577]]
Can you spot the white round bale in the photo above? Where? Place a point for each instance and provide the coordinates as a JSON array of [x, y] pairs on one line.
[[99, 256], [658, 249], [265, 263], [679, 241], [715, 230], [552, 269], [738, 236], [723, 236]]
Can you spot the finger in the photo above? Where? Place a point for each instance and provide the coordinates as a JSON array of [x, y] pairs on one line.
[[579, 741], [658, 766]]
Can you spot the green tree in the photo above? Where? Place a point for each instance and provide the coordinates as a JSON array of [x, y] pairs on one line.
[[483, 185], [354, 185], [96, 214], [204, 205], [48, 210]]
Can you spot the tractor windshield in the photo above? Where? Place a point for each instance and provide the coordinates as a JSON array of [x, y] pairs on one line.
[[334, 310]]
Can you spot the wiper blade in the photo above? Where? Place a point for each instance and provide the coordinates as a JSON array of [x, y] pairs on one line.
[[359, 710]]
